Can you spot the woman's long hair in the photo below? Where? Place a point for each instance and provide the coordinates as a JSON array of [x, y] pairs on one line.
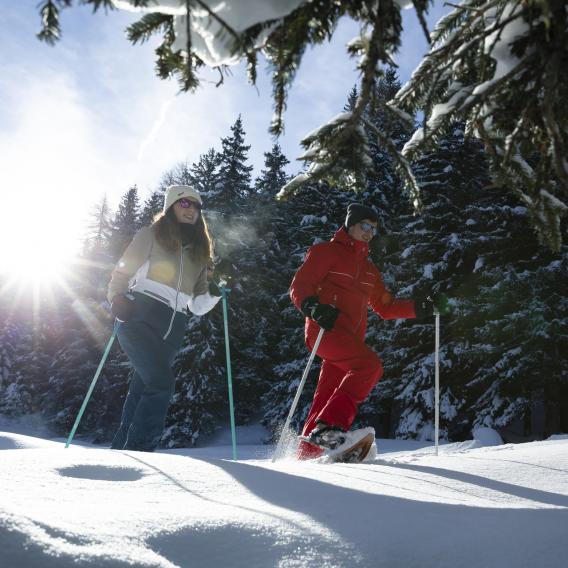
[[169, 235]]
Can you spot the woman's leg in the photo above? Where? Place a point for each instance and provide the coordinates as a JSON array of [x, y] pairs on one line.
[[132, 398], [151, 358]]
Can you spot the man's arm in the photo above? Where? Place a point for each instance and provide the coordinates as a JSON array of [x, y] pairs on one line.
[[386, 305]]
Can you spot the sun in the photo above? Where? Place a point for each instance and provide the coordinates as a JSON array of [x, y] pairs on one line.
[[39, 259]]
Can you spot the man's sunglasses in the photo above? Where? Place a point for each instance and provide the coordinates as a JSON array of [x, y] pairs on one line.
[[187, 203], [366, 227]]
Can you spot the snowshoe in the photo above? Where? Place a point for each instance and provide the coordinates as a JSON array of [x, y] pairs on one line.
[[355, 451], [326, 437]]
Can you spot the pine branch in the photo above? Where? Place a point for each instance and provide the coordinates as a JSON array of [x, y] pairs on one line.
[[49, 12], [147, 25]]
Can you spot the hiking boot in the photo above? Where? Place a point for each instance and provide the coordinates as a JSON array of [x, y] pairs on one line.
[[326, 436]]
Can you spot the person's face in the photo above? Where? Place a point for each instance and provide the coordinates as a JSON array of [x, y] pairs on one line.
[[363, 231], [186, 210]]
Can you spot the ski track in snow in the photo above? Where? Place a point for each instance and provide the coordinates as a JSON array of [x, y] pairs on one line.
[[470, 506]]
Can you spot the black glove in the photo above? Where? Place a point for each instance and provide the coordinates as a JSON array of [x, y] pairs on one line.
[[425, 307], [325, 315], [223, 272], [122, 306]]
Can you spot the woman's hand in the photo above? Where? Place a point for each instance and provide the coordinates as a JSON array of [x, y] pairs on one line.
[[122, 306]]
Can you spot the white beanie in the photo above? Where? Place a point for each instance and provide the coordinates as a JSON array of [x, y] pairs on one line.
[[175, 192]]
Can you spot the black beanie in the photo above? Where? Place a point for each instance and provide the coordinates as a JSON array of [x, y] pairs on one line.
[[357, 212]]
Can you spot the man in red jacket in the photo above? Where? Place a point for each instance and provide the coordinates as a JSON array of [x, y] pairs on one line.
[[333, 289]]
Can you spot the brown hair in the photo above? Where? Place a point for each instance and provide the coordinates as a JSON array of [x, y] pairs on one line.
[[168, 234]]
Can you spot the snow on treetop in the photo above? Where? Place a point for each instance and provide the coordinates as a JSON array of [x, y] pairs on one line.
[[212, 41]]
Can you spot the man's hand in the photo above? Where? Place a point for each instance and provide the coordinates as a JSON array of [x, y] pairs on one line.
[[325, 315], [427, 306]]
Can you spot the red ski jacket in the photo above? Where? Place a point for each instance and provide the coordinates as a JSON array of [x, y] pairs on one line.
[[339, 273]]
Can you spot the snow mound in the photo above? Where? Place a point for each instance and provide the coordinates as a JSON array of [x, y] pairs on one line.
[[487, 436], [86, 506]]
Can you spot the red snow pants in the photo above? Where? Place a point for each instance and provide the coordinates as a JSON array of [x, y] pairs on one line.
[[349, 371]]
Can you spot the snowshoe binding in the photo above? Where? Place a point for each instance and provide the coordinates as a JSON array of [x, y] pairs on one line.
[[326, 437]]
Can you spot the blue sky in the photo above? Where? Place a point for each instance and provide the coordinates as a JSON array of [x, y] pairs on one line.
[[89, 117]]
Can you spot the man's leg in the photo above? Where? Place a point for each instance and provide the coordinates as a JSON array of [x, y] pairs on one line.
[[329, 379], [361, 368]]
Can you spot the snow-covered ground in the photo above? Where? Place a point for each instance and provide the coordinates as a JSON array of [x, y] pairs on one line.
[[471, 506]]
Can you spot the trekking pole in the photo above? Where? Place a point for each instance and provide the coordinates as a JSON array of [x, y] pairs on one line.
[[297, 397], [224, 292], [93, 383], [437, 381]]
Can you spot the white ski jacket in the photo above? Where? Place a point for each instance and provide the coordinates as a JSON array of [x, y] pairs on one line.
[[172, 277]]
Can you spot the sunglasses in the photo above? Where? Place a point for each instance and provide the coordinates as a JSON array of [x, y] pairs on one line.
[[366, 227], [187, 203]]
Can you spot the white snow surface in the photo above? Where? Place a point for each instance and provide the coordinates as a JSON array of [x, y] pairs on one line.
[[505, 505]]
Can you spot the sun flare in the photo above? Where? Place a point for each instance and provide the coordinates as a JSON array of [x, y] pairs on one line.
[[41, 259]]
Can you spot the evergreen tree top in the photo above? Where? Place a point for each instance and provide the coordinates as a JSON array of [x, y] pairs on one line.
[[498, 65]]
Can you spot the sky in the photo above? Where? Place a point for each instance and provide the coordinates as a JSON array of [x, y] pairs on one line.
[[474, 504], [88, 117]]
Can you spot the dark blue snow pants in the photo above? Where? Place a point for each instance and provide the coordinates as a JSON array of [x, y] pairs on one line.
[[153, 382]]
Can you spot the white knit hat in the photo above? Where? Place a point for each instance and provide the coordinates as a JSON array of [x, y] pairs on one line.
[[175, 192]]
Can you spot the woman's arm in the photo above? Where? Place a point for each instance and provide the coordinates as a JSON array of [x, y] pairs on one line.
[[135, 255]]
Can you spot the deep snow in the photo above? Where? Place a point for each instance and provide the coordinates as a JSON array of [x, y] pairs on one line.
[[498, 506]]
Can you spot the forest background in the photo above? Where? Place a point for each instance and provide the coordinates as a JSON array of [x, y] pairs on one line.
[[504, 344]]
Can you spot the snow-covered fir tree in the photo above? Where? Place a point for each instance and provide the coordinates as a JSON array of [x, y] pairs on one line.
[[98, 228], [498, 65], [152, 206], [234, 173], [473, 243], [273, 176], [205, 174], [126, 221], [200, 404]]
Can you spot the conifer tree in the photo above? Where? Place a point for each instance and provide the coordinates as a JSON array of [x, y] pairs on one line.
[[126, 221], [273, 177], [200, 404], [205, 174], [234, 174], [497, 65], [152, 206], [99, 228]]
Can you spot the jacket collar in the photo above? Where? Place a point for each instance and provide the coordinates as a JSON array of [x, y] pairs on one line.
[[359, 247]]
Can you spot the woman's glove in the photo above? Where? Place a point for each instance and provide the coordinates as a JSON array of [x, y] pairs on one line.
[[325, 315], [223, 272], [122, 306]]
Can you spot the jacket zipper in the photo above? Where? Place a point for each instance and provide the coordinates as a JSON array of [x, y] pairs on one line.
[[177, 294], [363, 305]]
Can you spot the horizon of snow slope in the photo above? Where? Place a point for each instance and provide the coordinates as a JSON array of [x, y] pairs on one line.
[[470, 506]]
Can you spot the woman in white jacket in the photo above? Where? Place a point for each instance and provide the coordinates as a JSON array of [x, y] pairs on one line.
[[161, 275]]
